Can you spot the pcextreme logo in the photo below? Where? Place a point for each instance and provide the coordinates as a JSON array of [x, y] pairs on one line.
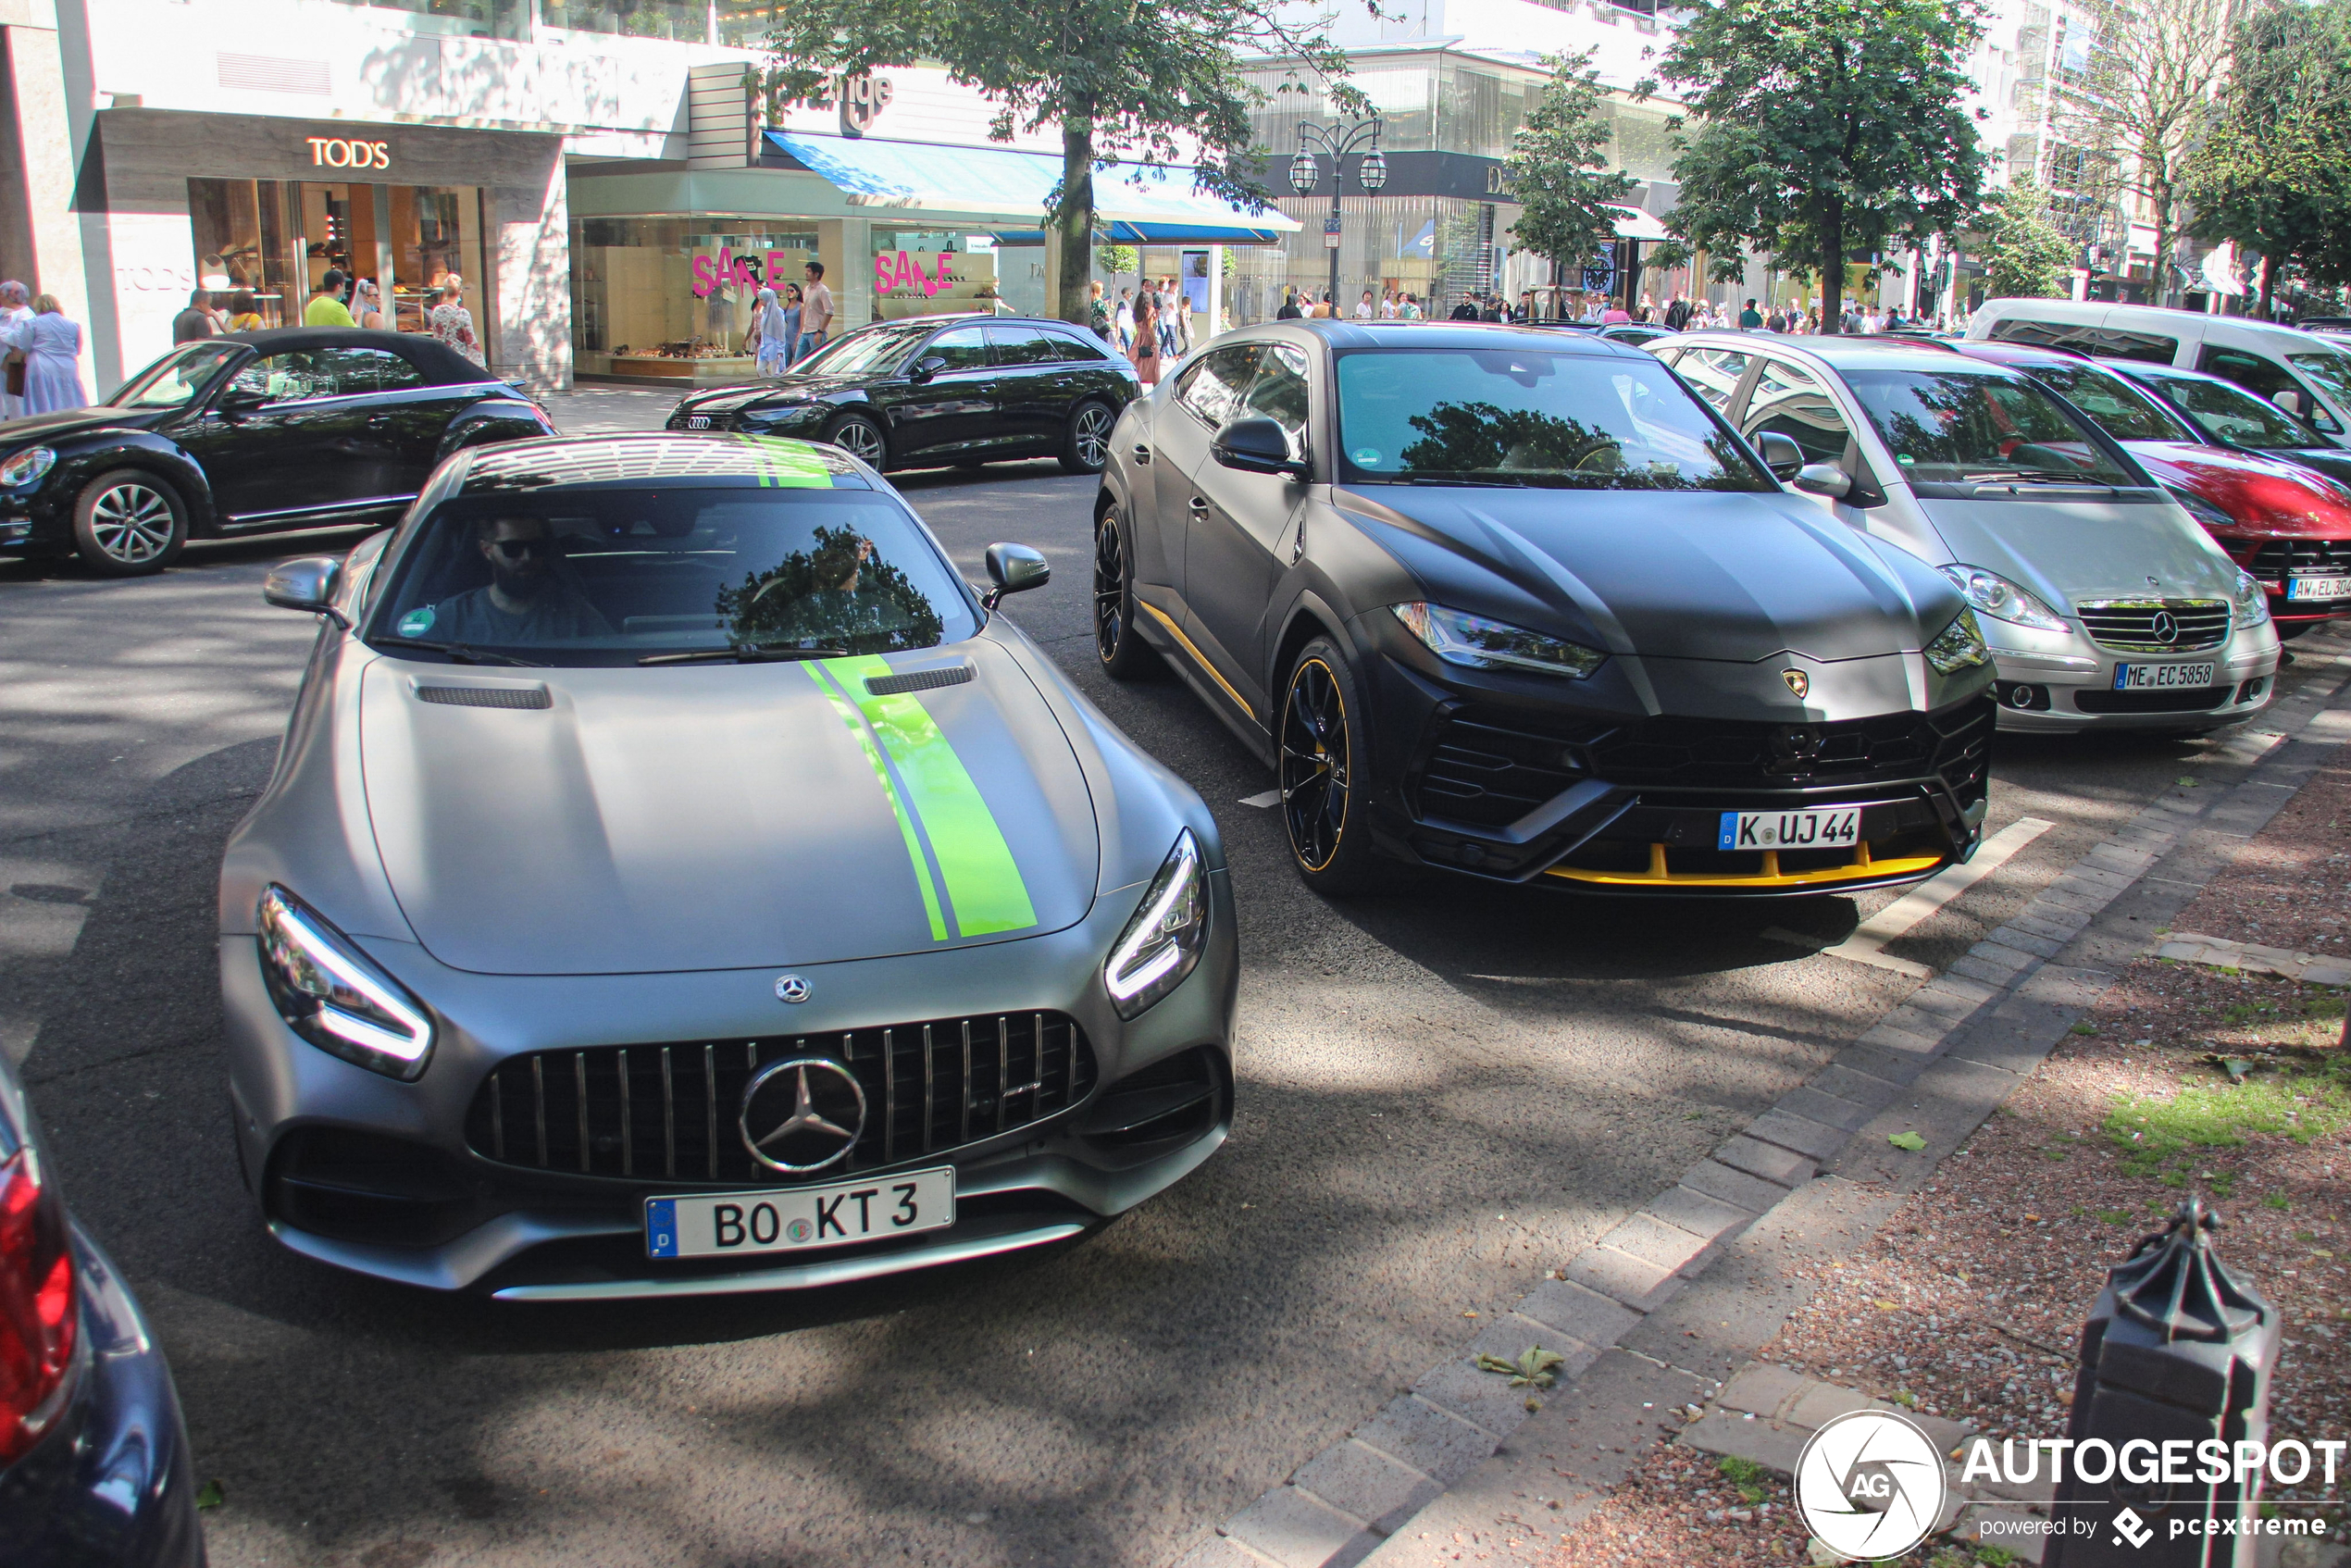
[[1870, 1484]]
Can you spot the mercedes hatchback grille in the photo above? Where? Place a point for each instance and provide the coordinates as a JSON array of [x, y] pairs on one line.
[[2156, 626]]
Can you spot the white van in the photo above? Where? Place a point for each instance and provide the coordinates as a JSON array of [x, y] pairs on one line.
[[2303, 373]]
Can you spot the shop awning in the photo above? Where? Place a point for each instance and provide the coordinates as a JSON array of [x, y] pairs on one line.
[[1631, 223], [1135, 205]]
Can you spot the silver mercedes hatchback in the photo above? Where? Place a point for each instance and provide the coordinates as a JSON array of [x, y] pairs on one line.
[[2106, 604]]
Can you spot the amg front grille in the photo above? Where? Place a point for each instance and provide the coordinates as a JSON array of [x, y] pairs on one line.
[[1489, 769], [671, 1112], [2275, 559], [2156, 626]]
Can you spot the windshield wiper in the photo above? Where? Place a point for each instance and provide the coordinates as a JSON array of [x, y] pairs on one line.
[[459, 653], [746, 654], [1491, 481]]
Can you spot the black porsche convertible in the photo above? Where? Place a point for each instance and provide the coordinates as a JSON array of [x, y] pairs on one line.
[[255, 432]]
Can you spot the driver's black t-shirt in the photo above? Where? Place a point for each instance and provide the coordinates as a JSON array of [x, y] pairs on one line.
[[190, 325]]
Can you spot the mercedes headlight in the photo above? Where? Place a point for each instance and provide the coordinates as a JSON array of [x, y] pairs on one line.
[[2203, 511], [25, 466], [1163, 940], [334, 997], [2002, 600], [1958, 646], [1461, 639], [2252, 607]]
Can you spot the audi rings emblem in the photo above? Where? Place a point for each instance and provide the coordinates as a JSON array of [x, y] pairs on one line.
[[792, 987], [2166, 629], [1798, 682], [801, 1114]]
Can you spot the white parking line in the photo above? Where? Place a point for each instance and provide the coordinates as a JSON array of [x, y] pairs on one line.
[[1867, 944], [1270, 798]]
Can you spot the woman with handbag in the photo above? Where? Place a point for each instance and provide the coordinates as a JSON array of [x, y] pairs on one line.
[[1145, 352], [452, 323], [52, 350]]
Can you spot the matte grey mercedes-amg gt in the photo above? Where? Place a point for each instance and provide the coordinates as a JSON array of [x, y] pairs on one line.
[[1521, 605], [676, 880]]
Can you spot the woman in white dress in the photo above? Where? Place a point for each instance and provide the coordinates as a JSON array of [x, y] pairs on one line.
[[452, 323], [52, 350], [15, 308], [774, 332]]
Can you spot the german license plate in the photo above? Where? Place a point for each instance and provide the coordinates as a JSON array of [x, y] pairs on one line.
[[1832, 827], [727, 1225], [2319, 588], [2161, 677]]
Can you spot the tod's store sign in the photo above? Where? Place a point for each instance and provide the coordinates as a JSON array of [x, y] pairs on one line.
[[337, 152]]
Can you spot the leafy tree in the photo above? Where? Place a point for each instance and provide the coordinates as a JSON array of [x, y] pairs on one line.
[[1556, 167], [2025, 255], [1116, 259], [2275, 174], [1827, 128], [2138, 106], [1122, 81]]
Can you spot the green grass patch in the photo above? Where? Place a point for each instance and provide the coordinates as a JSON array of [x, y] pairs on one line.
[[1750, 1478], [2150, 1134], [2277, 1201]]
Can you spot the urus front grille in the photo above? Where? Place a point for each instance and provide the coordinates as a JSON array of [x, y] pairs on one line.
[[2156, 626], [671, 1112], [1491, 769], [2279, 556]]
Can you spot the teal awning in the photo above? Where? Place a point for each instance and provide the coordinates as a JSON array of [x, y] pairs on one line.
[[1134, 206]]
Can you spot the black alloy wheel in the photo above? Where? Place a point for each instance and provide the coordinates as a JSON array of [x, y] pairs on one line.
[[1087, 447], [1123, 654], [128, 523], [863, 440], [1320, 736]]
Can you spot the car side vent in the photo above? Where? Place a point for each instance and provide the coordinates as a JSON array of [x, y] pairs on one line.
[[917, 680], [486, 696]]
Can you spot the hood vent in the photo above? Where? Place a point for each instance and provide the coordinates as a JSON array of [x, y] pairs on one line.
[[917, 680], [486, 696]]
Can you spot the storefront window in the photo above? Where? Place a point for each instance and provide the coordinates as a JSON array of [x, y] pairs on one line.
[[463, 18], [688, 21], [926, 272], [651, 295], [247, 248]]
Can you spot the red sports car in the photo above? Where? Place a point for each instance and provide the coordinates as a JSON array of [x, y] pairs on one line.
[[2287, 525]]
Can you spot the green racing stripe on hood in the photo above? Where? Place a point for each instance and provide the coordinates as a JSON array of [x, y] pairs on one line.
[[787, 463], [984, 886], [848, 716]]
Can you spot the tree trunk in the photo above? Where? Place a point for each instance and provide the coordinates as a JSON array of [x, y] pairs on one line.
[[2160, 193], [2269, 287], [1075, 218], [1832, 266]]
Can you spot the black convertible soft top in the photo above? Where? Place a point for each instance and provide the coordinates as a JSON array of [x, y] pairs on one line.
[[441, 366]]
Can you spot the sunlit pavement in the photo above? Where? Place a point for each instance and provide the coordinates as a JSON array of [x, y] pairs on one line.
[[1442, 1094]]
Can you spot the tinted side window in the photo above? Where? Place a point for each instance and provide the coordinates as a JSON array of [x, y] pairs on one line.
[[2107, 342], [2262, 376], [964, 349], [1069, 345], [1279, 393], [1790, 399], [1023, 345], [1714, 373], [1213, 392], [305, 375]]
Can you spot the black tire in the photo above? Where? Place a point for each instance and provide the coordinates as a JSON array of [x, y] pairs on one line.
[[1086, 444], [861, 439], [1124, 654], [1318, 737], [128, 523]]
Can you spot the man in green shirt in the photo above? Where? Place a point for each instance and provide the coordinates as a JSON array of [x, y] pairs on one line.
[[326, 308], [1750, 319]]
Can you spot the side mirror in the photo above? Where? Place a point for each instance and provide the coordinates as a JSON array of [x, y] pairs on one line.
[[1781, 454], [1824, 479], [2290, 399], [240, 400], [1014, 568], [1256, 446], [930, 365], [308, 584]]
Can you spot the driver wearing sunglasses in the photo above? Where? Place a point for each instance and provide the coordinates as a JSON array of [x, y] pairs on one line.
[[527, 601]]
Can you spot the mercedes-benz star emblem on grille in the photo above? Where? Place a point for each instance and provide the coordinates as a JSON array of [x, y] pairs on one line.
[[697, 421], [802, 1114], [791, 988], [1798, 681], [2165, 629]]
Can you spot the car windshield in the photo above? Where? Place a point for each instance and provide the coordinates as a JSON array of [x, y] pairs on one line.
[[176, 378], [1526, 415], [2330, 367], [2234, 415], [613, 577], [877, 352], [2115, 405], [1960, 427]]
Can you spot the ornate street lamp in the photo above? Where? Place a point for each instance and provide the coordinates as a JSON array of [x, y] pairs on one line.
[[1337, 140]]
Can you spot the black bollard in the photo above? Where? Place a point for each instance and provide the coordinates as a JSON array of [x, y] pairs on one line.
[[2175, 1351]]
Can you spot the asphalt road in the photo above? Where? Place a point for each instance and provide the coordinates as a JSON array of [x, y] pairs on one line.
[[1443, 1093]]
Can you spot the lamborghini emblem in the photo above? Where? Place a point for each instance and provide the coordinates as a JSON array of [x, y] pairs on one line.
[[1798, 681]]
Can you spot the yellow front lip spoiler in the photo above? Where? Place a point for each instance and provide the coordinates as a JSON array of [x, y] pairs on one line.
[[1860, 868]]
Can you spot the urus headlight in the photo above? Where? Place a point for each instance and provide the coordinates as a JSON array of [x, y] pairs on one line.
[[1164, 941], [1461, 639], [2252, 600], [25, 466], [2002, 600], [1958, 646], [334, 997]]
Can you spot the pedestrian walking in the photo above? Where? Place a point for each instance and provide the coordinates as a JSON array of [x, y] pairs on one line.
[[779, 332], [195, 321], [1290, 311], [1146, 350], [452, 323], [1411, 309], [15, 308], [1366, 309], [244, 316], [1123, 323], [366, 305], [816, 312], [325, 307], [52, 349], [1750, 319], [1097, 312]]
